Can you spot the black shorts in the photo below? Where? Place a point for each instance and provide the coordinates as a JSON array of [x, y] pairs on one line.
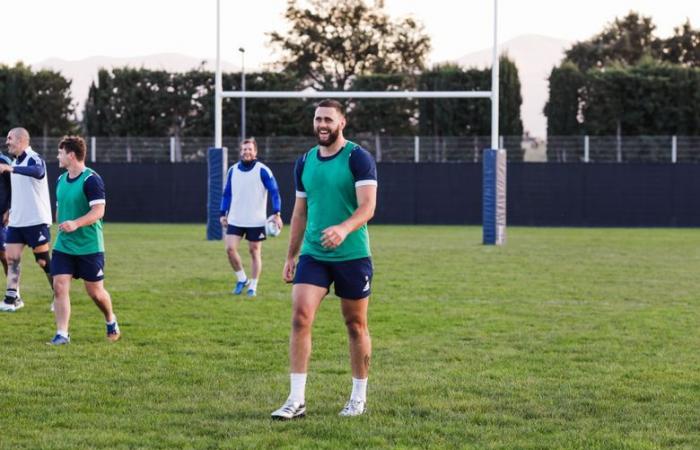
[[351, 279], [252, 234], [88, 267], [34, 236], [3, 238]]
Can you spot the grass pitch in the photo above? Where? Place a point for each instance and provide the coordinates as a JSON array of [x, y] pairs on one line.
[[563, 338]]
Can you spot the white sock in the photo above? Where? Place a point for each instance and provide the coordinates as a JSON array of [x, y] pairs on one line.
[[114, 320], [298, 387], [359, 389], [241, 275], [253, 284], [63, 333]]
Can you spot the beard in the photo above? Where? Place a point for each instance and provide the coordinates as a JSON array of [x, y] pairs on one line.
[[330, 140]]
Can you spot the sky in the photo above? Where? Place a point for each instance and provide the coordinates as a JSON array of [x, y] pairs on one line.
[[34, 30]]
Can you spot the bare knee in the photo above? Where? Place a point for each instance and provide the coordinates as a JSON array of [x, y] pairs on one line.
[[301, 321], [60, 286], [96, 292], [357, 327]]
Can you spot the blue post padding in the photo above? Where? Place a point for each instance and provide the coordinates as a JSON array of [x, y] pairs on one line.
[[215, 187], [489, 196]]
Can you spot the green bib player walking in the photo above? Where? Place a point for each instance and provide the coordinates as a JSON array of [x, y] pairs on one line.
[[336, 192], [79, 248]]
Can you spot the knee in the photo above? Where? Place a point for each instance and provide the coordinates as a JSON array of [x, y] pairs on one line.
[[12, 257], [231, 251], [301, 321], [356, 327], [95, 293], [44, 260], [60, 286]]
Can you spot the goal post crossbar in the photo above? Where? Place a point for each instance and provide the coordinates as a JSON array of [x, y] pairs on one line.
[[494, 186], [356, 94]]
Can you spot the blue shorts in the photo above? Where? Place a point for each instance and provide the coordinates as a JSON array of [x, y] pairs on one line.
[[3, 238], [88, 267], [351, 279], [34, 236], [252, 234]]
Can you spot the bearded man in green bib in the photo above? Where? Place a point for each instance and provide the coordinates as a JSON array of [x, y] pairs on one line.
[[79, 248], [336, 193]]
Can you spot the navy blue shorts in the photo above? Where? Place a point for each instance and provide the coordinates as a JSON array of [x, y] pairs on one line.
[[34, 236], [253, 234], [88, 267], [351, 279], [3, 238]]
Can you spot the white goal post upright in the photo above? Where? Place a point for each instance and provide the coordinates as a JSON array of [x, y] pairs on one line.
[[220, 94]]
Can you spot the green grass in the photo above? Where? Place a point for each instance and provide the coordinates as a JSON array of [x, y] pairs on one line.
[[563, 338]]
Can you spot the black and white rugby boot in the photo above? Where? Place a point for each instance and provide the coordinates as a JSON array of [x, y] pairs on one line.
[[290, 410]]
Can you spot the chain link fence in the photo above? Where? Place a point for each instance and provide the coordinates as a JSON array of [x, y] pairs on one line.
[[417, 149]]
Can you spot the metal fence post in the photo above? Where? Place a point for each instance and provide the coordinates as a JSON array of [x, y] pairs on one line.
[[172, 149], [500, 143], [378, 148], [416, 149], [93, 149], [586, 149], [674, 148]]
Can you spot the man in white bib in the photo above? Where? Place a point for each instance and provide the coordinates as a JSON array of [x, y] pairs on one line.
[[30, 214], [243, 213]]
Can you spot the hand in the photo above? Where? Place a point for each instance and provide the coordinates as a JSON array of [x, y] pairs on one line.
[[278, 221], [223, 221], [289, 268], [68, 226], [6, 218], [333, 236], [5, 168]]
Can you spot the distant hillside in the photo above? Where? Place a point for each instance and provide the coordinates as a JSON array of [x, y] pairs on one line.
[[534, 56], [83, 72]]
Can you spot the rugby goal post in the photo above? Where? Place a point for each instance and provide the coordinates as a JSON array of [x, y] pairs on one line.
[[494, 159]]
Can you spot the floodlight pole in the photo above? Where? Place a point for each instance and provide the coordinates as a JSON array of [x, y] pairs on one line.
[[243, 131], [217, 82], [494, 80]]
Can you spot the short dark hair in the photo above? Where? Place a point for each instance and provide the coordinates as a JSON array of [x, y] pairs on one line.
[[330, 103], [74, 144], [250, 140]]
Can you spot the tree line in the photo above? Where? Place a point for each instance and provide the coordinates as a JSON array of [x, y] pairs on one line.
[[627, 81], [331, 45], [624, 79], [39, 101]]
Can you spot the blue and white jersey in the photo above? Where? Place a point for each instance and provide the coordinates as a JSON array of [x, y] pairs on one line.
[[31, 204], [244, 201], [5, 187]]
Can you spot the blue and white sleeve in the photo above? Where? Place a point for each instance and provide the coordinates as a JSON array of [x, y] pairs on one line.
[[35, 168], [270, 184], [363, 167], [94, 189], [298, 170], [226, 197]]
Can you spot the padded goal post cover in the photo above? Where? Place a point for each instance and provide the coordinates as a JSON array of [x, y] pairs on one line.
[[216, 165], [494, 197]]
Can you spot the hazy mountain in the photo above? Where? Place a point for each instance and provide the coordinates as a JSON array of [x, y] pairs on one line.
[[82, 72], [534, 56]]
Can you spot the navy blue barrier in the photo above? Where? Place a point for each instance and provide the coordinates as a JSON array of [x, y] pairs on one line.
[[539, 194]]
